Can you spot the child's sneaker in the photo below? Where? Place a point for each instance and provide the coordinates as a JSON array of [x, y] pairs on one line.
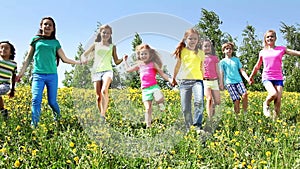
[[162, 107], [266, 110]]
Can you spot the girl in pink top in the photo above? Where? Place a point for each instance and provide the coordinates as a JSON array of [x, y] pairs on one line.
[[211, 77], [271, 57], [148, 64]]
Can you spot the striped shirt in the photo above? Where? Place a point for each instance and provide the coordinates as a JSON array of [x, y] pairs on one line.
[[7, 69]]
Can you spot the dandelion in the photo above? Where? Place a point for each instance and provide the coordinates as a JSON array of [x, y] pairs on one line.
[[268, 153], [71, 144], [18, 128], [236, 133], [17, 164], [76, 159], [69, 161], [269, 139], [33, 152]]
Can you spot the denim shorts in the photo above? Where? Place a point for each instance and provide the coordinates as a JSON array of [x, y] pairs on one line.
[[274, 82], [4, 88], [100, 75]]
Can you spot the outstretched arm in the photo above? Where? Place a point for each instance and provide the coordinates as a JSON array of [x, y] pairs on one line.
[[162, 74], [292, 52], [64, 58], [129, 68], [84, 55], [26, 62]]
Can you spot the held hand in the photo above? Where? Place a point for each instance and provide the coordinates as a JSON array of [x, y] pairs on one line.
[[221, 87], [174, 82]]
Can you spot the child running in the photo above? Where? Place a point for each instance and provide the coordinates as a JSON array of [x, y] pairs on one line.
[[8, 68], [148, 64]]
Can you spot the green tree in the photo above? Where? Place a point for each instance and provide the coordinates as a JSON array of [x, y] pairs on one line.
[[249, 51], [290, 63], [209, 28], [132, 79], [80, 76]]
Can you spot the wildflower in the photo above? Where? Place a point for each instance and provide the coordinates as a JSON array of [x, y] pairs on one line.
[[268, 153], [33, 152], [18, 128], [269, 139], [69, 161], [236, 133], [17, 164], [76, 159], [71, 144]]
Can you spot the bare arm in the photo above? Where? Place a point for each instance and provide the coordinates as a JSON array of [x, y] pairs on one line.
[[244, 74], [219, 74], [255, 69], [221, 79], [115, 56], [292, 52], [129, 68], [64, 58], [176, 70], [162, 74], [87, 52], [26, 62]]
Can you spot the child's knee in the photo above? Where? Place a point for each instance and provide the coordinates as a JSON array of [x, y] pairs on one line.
[[158, 96]]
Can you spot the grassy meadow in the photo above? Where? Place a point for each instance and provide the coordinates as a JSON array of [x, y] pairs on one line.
[[81, 140]]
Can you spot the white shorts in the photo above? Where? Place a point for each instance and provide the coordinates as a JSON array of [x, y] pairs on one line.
[[212, 84], [100, 75]]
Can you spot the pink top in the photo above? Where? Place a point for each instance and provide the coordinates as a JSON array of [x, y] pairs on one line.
[[148, 75], [272, 60], [210, 67]]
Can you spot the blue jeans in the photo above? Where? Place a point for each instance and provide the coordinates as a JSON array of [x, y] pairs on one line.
[[187, 88], [38, 83]]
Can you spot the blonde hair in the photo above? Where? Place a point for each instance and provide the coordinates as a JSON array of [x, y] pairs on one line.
[[228, 44], [265, 35], [182, 44], [154, 56], [98, 38]]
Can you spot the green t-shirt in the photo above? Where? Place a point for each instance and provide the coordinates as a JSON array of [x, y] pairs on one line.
[[45, 55]]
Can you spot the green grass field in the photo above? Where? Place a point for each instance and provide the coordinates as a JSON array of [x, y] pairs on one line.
[[80, 140]]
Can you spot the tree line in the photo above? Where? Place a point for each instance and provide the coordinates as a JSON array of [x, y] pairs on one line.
[[209, 28]]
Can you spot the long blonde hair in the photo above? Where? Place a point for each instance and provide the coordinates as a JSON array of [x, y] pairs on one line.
[[154, 56], [182, 44]]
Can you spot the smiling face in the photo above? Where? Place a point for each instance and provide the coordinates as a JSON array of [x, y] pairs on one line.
[[192, 41], [206, 47], [144, 55], [105, 34], [47, 27], [5, 50], [270, 38]]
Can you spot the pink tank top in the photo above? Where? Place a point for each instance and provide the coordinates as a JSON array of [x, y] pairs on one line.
[[272, 61], [148, 75], [210, 67]]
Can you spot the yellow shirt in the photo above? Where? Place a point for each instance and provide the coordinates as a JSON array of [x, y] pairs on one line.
[[191, 64]]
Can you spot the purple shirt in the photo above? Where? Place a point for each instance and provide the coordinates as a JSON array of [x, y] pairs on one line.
[[272, 61]]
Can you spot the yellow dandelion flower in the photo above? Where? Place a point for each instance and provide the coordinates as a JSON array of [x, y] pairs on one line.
[[76, 159], [69, 161], [269, 139], [268, 153], [17, 163], [236, 133], [18, 128], [71, 144]]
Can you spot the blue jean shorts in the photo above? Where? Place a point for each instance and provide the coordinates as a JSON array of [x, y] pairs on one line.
[[4, 88], [274, 82]]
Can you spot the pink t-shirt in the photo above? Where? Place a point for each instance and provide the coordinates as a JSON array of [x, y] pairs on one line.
[[272, 61], [210, 67], [148, 75]]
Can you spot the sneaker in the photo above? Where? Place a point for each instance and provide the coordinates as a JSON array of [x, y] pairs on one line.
[[162, 107], [266, 110]]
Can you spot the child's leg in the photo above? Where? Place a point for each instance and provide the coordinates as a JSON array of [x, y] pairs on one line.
[[209, 102], [277, 101], [1, 103], [97, 87], [148, 112], [159, 98], [245, 102], [272, 92], [216, 99], [237, 106], [104, 92]]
